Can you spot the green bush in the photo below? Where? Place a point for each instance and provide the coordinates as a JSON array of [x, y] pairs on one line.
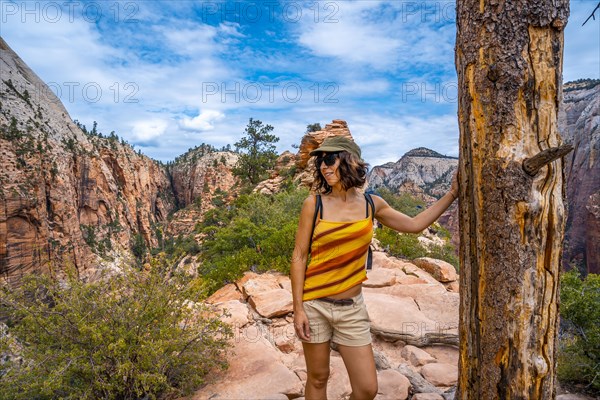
[[402, 202], [256, 232], [445, 253], [138, 246], [579, 347], [129, 336], [407, 245], [404, 245]]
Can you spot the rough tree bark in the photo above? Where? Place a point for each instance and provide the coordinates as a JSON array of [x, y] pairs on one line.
[[509, 64]]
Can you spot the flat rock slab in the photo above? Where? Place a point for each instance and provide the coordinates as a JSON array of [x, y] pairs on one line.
[[237, 313], [272, 303], [259, 284], [396, 314], [440, 374], [255, 372], [380, 277], [416, 356], [226, 293]]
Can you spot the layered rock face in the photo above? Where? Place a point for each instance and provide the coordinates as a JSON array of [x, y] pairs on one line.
[[579, 122], [311, 141], [201, 172], [421, 172], [66, 198], [201, 177], [424, 174]]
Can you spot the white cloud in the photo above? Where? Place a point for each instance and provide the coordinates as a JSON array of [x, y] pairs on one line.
[[384, 139], [383, 35], [205, 121], [368, 48], [190, 39], [148, 130], [352, 43]]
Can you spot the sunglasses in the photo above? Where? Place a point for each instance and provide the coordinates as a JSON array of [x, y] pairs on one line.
[[328, 158]]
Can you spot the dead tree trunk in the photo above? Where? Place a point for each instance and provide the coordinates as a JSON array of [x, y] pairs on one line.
[[509, 64]]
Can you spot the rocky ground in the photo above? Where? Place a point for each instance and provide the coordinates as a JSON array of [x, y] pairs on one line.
[[414, 316], [413, 308]]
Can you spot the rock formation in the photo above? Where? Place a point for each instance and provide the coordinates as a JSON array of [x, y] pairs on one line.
[[66, 198], [406, 305], [311, 141], [579, 123], [285, 166], [200, 173], [202, 177], [421, 172], [73, 198], [424, 174]]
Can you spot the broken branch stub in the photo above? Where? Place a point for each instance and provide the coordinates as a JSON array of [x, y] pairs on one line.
[[534, 164]]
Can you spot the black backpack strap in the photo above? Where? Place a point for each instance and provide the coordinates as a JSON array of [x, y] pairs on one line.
[[372, 204], [318, 211]]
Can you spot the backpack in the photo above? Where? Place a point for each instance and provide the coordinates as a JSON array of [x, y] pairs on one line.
[[319, 210]]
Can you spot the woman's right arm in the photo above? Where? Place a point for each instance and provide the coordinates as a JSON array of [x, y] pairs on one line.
[[298, 267]]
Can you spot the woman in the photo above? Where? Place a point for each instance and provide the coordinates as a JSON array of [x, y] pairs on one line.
[[328, 303]]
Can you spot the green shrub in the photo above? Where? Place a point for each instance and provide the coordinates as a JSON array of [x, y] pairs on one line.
[[138, 246], [256, 232], [129, 336], [579, 347], [407, 245], [445, 253], [402, 202], [404, 245]]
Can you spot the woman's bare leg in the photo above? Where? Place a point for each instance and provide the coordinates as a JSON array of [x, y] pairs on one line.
[[317, 370], [360, 364]]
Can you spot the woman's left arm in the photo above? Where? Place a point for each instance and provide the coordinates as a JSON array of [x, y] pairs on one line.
[[403, 223]]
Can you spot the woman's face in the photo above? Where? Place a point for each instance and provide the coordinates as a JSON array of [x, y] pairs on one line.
[[330, 172]]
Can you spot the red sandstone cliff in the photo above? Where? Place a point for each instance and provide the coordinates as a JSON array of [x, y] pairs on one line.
[[66, 198]]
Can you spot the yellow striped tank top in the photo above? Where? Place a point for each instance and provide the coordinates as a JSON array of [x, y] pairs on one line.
[[338, 255]]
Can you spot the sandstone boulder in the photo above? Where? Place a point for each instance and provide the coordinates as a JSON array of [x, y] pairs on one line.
[[440, 374], [272, 303], [259, 284], [453, 287], [443, 354], [396, 315], [226, 293], [392, 385], [285, 282], [380, 277], [416, 356], [440, 270], [236, 313], [434, 301]]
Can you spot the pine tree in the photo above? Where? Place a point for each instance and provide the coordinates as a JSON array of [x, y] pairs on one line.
[[257, 150]]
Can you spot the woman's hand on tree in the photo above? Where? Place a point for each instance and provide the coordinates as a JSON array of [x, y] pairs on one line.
[[454, 187]]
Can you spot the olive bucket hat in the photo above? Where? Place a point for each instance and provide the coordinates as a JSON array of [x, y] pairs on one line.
[[334, 144]]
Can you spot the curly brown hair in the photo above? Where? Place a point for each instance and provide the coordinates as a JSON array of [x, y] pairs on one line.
[[352, 170]]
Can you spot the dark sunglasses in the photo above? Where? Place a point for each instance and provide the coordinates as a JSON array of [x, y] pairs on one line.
[[328, 158]]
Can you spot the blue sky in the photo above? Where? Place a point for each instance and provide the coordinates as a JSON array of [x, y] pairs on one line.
[[169, 75]]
